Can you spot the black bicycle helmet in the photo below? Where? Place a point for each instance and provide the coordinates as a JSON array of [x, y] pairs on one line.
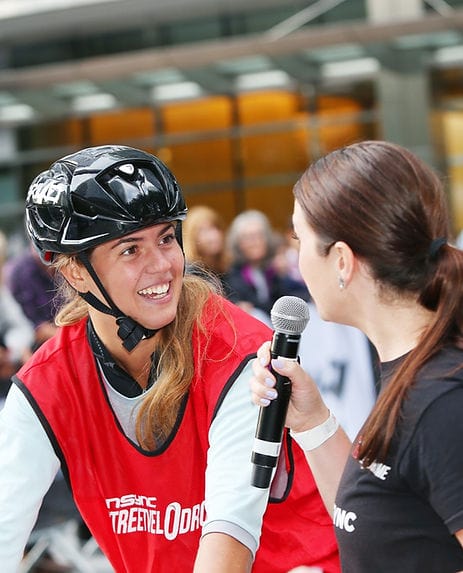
[[99, 194], [96, 195]]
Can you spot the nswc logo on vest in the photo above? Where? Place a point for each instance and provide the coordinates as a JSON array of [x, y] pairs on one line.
[[134, 513]]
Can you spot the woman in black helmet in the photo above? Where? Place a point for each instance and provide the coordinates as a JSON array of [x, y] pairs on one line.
[[142, 397]]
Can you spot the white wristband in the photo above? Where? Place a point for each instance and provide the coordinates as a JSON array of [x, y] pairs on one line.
[[315, 437]]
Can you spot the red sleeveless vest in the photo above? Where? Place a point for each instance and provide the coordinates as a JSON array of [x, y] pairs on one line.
[[146, 509]]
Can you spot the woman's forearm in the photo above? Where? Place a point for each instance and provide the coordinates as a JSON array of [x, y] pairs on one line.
[[327, 465], [221, 553]]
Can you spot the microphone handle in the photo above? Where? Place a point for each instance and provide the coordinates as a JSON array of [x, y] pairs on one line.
[[271, 420]]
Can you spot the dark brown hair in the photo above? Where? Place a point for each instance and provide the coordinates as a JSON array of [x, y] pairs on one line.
[[389, 207]]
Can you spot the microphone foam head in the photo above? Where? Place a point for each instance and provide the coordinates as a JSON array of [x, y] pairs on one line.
[[290, 314]]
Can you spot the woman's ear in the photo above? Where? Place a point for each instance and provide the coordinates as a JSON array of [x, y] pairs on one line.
[[76, 275], [345, 262]]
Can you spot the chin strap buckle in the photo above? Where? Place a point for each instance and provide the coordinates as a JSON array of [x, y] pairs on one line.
[[131, 333]]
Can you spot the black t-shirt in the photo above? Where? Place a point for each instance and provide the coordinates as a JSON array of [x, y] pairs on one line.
[[401, 515]]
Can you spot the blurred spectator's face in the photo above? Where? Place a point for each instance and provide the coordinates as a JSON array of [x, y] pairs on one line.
[[210, 240], [253, 242]]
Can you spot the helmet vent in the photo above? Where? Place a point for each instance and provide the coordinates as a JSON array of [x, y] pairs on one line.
[[127, 168]]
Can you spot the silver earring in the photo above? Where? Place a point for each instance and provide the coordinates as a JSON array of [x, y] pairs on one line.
[[341, 283]]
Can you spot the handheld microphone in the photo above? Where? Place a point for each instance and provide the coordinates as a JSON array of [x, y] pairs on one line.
[[289, 316]]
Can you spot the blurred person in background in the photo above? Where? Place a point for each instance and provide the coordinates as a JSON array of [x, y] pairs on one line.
[[142, 395], [254, 280], [16, 332], [373, 225], [204, 242], [30, 291], [32, 284]]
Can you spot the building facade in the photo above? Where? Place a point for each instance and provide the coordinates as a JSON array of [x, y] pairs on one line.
[[237, 98]]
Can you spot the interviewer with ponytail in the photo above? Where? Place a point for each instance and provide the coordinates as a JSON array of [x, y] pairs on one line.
[[376, 254]]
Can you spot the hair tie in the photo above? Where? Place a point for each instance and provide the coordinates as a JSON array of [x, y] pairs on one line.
[[435, 246]]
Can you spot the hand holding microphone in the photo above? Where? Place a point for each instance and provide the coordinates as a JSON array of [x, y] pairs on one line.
[[289, 316]]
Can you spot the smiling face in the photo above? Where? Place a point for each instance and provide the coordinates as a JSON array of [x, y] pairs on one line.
[[142, 273]]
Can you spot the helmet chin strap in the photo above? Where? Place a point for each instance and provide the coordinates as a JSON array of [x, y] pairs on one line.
[[129, 331]]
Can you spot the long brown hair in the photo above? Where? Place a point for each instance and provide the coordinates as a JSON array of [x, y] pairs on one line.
[[389, 207], [175, 366]]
